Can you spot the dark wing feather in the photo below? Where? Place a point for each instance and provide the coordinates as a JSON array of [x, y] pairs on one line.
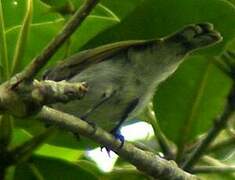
[[80, 61]]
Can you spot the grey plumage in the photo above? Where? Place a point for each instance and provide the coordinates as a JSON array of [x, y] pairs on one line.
[[122, 77]]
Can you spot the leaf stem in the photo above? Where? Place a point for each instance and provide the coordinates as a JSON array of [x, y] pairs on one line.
[[22, 38], [3, 46], [37, 174]]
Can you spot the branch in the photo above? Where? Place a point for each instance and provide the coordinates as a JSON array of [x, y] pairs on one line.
[[49, 92], [219, 125], [204, 144], [221, 145], [39, 61], [28, 98], [147, 162]]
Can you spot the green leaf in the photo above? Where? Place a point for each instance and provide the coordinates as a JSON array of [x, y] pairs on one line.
[[216, 176], [41, 12], [157, 18], [64, 7], [118, 9], [69, 154], [125, 173], [22, 39], [90, 167], [189, 101], [51, 169], [41, 33], [121, 8], [24, 151]]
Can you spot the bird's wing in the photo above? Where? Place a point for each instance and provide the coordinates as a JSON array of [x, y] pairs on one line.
[[80, 61]]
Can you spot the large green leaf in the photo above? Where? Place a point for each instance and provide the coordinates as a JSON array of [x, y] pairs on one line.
[[41, 12], [51, 169], [47, 150], [41, 33], [188, 102], [118, 8], [121, 8], [156, 18]]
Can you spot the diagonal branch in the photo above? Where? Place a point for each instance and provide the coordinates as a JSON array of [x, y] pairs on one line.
[[39, 61], [214, 169], [145, 161], [219, 125]]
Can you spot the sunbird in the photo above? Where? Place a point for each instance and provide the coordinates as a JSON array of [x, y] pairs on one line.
[[122, 77]]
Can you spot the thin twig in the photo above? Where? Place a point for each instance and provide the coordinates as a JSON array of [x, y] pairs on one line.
[[147, 162], [211, 135], [39, 61], [222, 145], [213, 169]]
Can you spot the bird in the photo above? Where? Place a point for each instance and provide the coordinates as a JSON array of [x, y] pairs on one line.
[[123, 77]]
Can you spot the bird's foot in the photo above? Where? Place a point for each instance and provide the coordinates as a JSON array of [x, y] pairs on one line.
[[117, 136]]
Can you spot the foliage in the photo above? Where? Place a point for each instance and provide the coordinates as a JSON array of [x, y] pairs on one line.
[[185, 105]]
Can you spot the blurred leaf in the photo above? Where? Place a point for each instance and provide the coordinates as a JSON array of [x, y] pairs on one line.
[[10, 173], [214, 176], [192, 98], [25, 150], [90, 167], [157, 18], [63, 7], [51, 169], [124, 173], [232, 1], [69, 154], [118, 9], [5, 131], [41, 12], [121, 8]]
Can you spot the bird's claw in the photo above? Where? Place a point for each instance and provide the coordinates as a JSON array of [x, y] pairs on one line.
[[118, 136]]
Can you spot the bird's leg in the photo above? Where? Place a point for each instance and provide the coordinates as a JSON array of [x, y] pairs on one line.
[[117, 134], [105, 97], [116, 131]]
